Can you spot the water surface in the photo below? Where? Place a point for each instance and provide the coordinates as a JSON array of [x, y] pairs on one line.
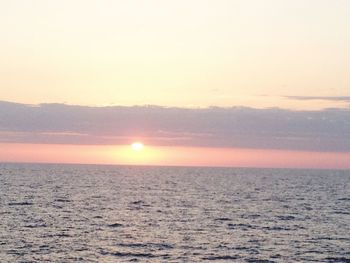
[[86, 213]]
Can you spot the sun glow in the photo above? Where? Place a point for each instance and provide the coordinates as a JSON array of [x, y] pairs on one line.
[[137, 153], [137, 146]]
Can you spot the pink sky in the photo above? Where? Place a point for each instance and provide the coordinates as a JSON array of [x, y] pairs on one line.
[[188, 156]]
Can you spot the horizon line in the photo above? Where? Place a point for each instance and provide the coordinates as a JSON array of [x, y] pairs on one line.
[[179, 166]]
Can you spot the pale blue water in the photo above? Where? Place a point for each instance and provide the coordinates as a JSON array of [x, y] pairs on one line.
[[71, 213]]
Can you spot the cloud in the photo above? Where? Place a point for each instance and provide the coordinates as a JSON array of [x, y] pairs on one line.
[[335, 98], [324, 130]]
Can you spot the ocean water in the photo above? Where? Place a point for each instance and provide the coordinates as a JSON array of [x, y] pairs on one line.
[[86, 213]]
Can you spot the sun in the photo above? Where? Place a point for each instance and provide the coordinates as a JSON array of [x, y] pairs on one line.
[[137, 146]]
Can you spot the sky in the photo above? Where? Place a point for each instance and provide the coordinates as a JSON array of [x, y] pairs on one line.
[[238, 79]]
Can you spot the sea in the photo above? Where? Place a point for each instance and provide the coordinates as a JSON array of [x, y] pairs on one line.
[[94, 213]]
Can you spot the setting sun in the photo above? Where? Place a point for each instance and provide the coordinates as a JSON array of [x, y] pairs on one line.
[[137, 146]]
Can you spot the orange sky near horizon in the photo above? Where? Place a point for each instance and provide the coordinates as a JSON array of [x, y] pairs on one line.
[[177, 156]]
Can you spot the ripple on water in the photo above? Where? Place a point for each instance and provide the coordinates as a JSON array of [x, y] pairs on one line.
[[25, 203]]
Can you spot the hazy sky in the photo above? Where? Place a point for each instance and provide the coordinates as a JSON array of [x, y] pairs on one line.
[[175, 53], [276, 71]]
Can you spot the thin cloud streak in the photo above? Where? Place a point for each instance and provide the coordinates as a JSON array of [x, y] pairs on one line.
[[329, 98], [236, 127]]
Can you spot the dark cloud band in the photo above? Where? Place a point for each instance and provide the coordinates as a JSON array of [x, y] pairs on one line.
[[324, 130]]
